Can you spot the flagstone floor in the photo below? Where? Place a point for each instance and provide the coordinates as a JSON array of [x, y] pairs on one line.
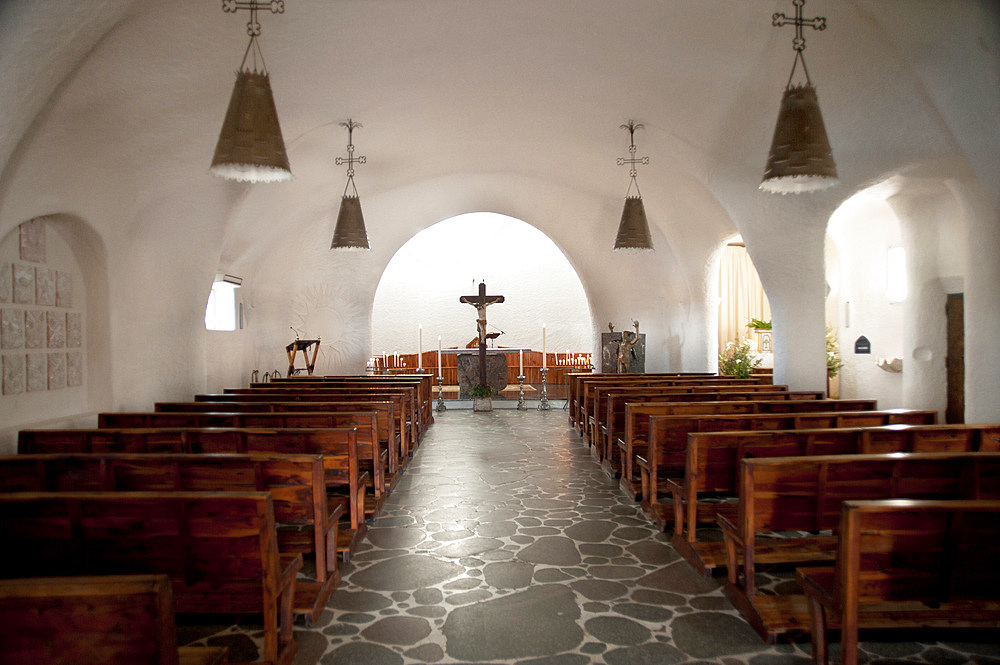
[[504, 542]]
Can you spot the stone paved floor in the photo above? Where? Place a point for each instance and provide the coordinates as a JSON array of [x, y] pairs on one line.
[[505, 543]]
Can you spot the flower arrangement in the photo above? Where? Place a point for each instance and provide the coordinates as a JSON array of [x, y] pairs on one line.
[[758, 324], [833, 361], [738, 359]]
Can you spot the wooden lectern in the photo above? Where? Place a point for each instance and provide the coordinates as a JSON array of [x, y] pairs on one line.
[[303, 346]]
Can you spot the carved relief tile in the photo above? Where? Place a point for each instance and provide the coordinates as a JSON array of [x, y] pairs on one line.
[[32, 239], [13, 373], [38, 372], [74, 369], [64, 289], [57, 371], [57, 329], [45, 286], [74, 330], [11, 329], [24, 284], [6, 282], [35, 329]]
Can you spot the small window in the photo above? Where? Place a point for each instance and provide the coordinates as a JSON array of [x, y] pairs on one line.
[[895, 289], [220, 313]]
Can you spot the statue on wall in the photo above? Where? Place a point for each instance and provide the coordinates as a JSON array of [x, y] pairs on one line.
[[625, 352]]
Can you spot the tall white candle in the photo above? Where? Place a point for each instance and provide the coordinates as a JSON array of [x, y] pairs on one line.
[[544, 359], [520, 362], [420, 346], [439, 357]]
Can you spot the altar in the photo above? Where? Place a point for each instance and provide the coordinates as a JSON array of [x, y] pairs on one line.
[[497, 368]]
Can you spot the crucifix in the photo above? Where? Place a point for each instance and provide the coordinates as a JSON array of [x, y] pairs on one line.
[[481, 301]]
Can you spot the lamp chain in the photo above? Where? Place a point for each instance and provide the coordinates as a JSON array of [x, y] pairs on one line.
[[799, 43], [631, 160], [350, 160]]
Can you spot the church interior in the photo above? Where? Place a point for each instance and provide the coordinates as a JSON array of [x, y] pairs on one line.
[[502, 143]]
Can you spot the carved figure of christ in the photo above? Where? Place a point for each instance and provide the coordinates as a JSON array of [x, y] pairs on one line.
[[481, 301]]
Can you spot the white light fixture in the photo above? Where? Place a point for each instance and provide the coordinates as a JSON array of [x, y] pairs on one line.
[[633, 229], [800, 159], [349, 233], [250, 147]]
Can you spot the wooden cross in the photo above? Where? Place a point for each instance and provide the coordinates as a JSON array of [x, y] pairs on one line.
[[481, 301]]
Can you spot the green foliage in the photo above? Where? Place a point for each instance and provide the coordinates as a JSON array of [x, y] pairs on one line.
[[738, 360], [481, 391], [759, 325], [833, 361]]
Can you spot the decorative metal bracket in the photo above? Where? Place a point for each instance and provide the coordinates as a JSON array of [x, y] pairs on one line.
[[350, 160], [632, 160], [253, 6], [779, 19]]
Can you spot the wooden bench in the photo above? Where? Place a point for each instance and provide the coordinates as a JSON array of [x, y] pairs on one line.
[[107, 619], [218, 549], [638, 423], [344, 481], [575, 380], [789, 505], [423, 382], [403, 399], [712, 469], [721, 384], [610, 422], [907, 564], [372, 449], [306, 521], [393, 439]]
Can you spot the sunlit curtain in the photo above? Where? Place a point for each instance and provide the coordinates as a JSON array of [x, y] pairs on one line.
[[741, 295]]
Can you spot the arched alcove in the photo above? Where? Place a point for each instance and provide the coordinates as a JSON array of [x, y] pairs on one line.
[[55, 328], [422, 284]]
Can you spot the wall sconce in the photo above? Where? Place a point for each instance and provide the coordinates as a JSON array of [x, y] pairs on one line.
[[800, 159], [349, 233], [633, 230], [250, 146]]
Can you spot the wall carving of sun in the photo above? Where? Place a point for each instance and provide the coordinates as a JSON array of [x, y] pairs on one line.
[[328, 312]]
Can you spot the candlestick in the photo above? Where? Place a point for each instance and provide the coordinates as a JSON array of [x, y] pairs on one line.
[[439, 358], [544, 359], [520, 362], [420, 346]]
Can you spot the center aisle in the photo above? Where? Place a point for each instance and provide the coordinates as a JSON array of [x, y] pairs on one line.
[[504, 542]]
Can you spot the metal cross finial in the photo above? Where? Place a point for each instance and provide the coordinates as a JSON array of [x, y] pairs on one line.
[[253, 26], [632, 160], [799, 43], [350, 160]]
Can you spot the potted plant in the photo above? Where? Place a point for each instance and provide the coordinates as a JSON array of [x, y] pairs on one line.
[[833, 363], [738, 360], [482, 398]]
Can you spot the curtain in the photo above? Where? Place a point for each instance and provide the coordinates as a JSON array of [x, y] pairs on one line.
[[741, 295]]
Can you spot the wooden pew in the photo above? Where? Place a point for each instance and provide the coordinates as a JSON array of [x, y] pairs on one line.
[[586, 385], [424, 383], [107, 619], [574, 381], [906, 564], [712, 468], [667, 447], [403, 399], [784, 495], [722, 384], [634, 441], [344, 481], [306, 521], [394, 439], [372, 439], [610, 419], [218, 549]]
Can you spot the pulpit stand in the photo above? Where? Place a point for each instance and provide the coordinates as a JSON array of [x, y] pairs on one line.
[[303, 346]]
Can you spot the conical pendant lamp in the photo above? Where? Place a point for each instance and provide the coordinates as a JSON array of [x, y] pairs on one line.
[[800, 159], [250, 147], [633, 230], [349, 233]]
